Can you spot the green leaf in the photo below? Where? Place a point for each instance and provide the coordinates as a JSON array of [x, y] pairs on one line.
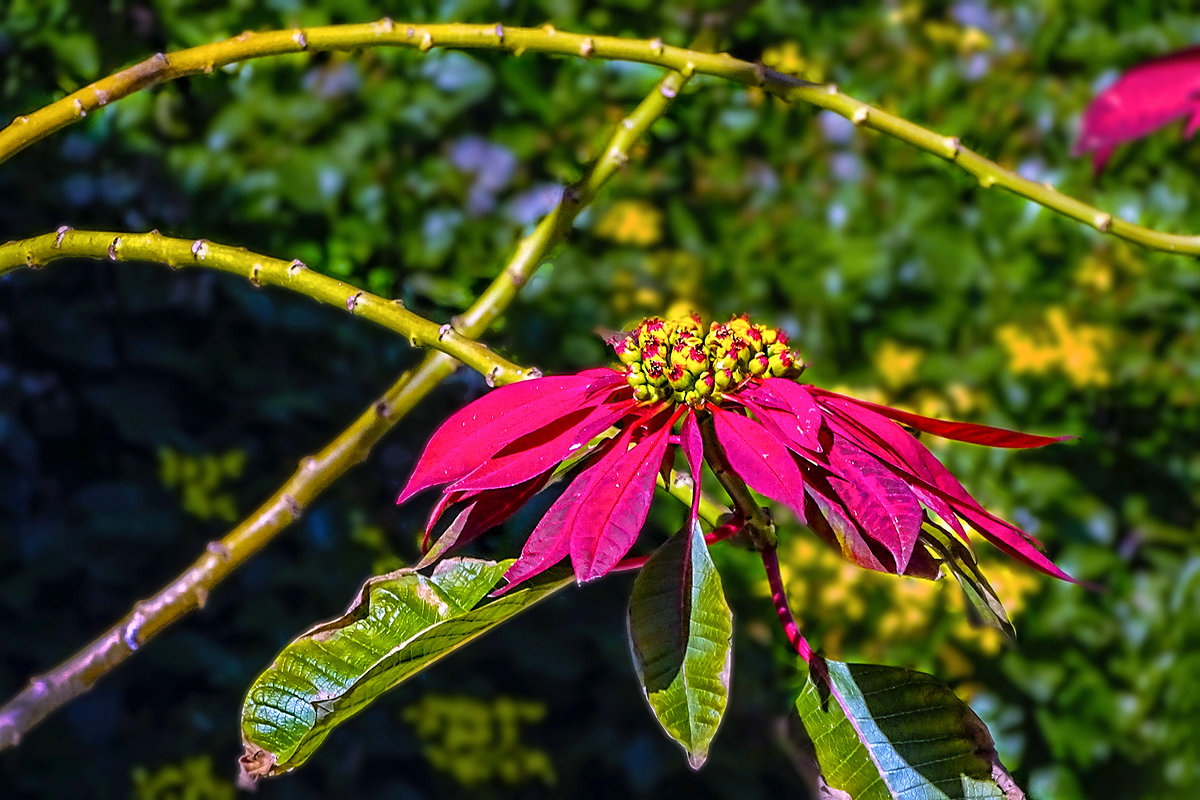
[[884, 732], [983, 604], [400, 624], [680, 633]]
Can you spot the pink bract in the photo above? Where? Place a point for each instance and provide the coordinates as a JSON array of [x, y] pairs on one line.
[[849, 469]]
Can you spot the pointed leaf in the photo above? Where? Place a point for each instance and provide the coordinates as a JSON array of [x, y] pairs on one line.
[[492, 422], [760, 459], [680, 634], [983, 603], [400, 624], [959, 431], [800, 417], [612, 514], [884, 733], [542, 450]]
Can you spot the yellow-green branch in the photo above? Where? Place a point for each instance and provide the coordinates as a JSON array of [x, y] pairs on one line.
[[260, 271], [27, 129], [187, 592]]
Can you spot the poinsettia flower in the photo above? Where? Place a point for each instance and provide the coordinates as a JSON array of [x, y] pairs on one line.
[[849, 469], [1149, 96]]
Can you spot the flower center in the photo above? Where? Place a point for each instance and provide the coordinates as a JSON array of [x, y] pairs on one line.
[[676, 360]]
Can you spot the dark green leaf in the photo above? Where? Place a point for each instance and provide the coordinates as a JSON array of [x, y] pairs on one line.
[[884, 732], [680, 633]]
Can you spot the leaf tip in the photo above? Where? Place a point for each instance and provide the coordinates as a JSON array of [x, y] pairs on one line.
[[254, 764]]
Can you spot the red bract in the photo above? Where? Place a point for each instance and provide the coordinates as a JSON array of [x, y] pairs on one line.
[[1147, 97], [847, 468]]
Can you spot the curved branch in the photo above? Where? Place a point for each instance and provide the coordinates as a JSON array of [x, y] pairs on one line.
[[27, 129], [75, 676], [261, 271], [770, 559]]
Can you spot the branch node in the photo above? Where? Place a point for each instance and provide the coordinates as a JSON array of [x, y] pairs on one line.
[[219, 549], [293, 507], [113, 246], [668, 91], [500, 32], [760, 73], [953, 147], [254, 272], [308, 464], [689, 69], [296, 267], [79, 109], [656, 46], [549, 29], [1103, 222], [517, 277], [445, 331], [831, 88], [987, 180], [21, 120], [300, 39], [102, 97], [352, 301], [414, 342], [200, 249], [31, 260], [162, 58], [571, 195], [426, 42], [533, 372], [860, 115], [383, 25], [489, 377], [627, 123], [398, 302], [618, 156], [411, 32], [586, 47]]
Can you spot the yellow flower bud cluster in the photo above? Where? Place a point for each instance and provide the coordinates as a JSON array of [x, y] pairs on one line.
[[677, 360]]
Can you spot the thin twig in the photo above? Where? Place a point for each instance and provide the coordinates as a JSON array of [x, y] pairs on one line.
[[27, 129], [758, 525], [76, 675], [261, 271]]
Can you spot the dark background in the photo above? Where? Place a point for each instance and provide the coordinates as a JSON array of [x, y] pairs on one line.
[[143, 411]]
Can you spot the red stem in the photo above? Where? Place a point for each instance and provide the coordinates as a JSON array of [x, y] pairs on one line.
[[770, 561]]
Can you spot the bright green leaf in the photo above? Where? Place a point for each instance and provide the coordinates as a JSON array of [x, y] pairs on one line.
[[884, 732], [400, 624], [680, 633]]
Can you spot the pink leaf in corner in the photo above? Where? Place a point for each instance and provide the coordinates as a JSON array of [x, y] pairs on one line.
[[1144, 99]]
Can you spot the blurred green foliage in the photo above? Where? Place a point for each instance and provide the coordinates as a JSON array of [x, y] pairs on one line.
[[414, 176]]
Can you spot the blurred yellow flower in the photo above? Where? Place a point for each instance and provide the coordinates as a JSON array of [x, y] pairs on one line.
[[896, 363], [631, 222], [192, 779], [199, 479], [1076, 349]]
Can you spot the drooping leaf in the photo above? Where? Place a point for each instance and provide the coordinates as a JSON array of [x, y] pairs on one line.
[[1147, 97], [490, 423], [680, 635], [760, 459], [880, 501], [983, 602], [885, 733], [399, 624], [958, 431]]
